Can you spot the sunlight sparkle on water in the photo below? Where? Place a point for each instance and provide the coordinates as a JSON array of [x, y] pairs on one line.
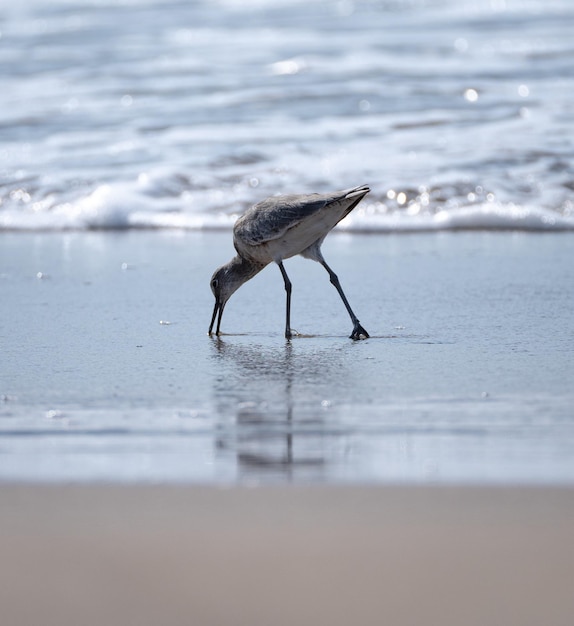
[[471, 95], [287, 67]]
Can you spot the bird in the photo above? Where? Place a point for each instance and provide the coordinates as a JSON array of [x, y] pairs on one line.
[[276, 229]]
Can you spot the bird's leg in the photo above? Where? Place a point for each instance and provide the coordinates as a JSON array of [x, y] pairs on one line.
[[358, 330], [288, 308]]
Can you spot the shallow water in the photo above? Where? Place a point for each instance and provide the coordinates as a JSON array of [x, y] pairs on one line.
[[458, 113], [107, 372]]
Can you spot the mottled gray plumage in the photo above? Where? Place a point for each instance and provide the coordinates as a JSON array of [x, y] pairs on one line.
[[272, 217], [276, 229]]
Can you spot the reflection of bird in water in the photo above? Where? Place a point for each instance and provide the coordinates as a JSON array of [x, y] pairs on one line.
[[279, 228], [265, 423]]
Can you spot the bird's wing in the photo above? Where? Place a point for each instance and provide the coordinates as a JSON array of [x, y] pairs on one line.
[[273, 217]]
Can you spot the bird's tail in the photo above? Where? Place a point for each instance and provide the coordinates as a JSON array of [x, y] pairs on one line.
[[357, 191], [352, 197]]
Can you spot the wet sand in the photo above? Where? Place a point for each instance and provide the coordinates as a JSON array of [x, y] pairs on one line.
[[107, 373], [289, 555]]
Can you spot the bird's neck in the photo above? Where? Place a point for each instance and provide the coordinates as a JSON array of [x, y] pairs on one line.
[[244, 269]]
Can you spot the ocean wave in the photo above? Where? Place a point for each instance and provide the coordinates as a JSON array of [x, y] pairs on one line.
[[168, 202], [485, 216], [457, 115]]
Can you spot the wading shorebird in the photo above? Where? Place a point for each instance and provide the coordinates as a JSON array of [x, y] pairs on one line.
[[277, 229]]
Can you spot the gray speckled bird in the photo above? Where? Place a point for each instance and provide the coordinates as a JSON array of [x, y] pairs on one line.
[[276, 229]]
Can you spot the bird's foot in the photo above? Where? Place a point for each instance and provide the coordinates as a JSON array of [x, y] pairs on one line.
[[359, 333], [291, 332]]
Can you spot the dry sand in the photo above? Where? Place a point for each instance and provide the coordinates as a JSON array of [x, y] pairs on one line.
[[290, 555]]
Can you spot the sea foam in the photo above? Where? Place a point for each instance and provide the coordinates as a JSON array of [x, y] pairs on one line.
[[166, 202]]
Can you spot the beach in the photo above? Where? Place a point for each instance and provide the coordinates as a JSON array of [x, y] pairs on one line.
[[292, 555], [152, 474]]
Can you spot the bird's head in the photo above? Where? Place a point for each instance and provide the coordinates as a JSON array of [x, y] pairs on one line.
[[225, 281]]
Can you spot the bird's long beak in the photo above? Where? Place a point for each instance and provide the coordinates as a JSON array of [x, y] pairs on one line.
[[218, 308]]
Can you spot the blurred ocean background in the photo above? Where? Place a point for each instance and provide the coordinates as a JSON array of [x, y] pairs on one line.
[[180, 114]]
